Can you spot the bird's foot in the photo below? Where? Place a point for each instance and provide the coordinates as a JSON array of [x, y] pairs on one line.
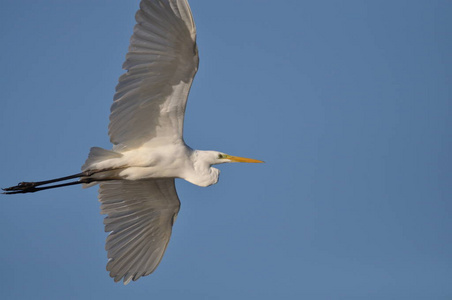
[[22, 187]]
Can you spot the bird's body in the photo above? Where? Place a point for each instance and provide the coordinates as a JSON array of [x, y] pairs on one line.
[[165, 161], [136, 178]]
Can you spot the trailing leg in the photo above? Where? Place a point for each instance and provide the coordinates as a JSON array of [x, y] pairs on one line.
[[31, 187]]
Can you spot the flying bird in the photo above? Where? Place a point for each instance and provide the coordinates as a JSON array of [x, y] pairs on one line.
[[136, 178]]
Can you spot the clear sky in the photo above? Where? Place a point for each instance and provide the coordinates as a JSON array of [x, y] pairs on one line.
[[348, 102]]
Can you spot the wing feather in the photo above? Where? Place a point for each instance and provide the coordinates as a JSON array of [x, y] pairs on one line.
[[162, 61], [140, 215]]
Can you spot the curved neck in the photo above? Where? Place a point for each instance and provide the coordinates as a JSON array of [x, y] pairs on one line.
[[203, 172]]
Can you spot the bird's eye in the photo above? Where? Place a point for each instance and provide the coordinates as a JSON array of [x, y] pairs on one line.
[[220, 156]]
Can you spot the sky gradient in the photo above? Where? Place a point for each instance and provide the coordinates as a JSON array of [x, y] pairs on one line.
[[348, 102]]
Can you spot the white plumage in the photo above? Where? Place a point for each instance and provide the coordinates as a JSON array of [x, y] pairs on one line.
[[136, 178], [140, 217], [162, 61]]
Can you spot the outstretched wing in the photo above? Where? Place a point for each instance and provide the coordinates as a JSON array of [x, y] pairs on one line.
[[161, 63], [140, 218]]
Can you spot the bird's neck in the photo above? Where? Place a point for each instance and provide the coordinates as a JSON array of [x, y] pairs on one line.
[[203, 172]]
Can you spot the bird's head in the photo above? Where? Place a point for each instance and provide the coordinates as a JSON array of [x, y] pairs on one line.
[[215, 158], [205, 174]]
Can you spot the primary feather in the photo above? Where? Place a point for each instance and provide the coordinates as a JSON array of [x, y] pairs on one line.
[[140, 216], [161, 63]]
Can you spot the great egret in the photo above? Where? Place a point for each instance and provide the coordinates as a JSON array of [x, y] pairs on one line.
[[136, 178]]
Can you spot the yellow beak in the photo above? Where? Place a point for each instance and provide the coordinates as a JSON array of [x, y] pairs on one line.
[[242, 159]]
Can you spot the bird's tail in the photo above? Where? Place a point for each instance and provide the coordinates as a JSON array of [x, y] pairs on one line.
[[97, 155]]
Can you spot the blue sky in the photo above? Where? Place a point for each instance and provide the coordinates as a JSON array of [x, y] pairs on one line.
[[348, 102]]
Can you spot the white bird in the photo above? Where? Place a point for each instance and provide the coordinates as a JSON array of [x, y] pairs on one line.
[[137, 190]]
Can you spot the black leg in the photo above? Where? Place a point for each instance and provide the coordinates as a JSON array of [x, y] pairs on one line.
[[32, 188], [22, 189], [29, 186]]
